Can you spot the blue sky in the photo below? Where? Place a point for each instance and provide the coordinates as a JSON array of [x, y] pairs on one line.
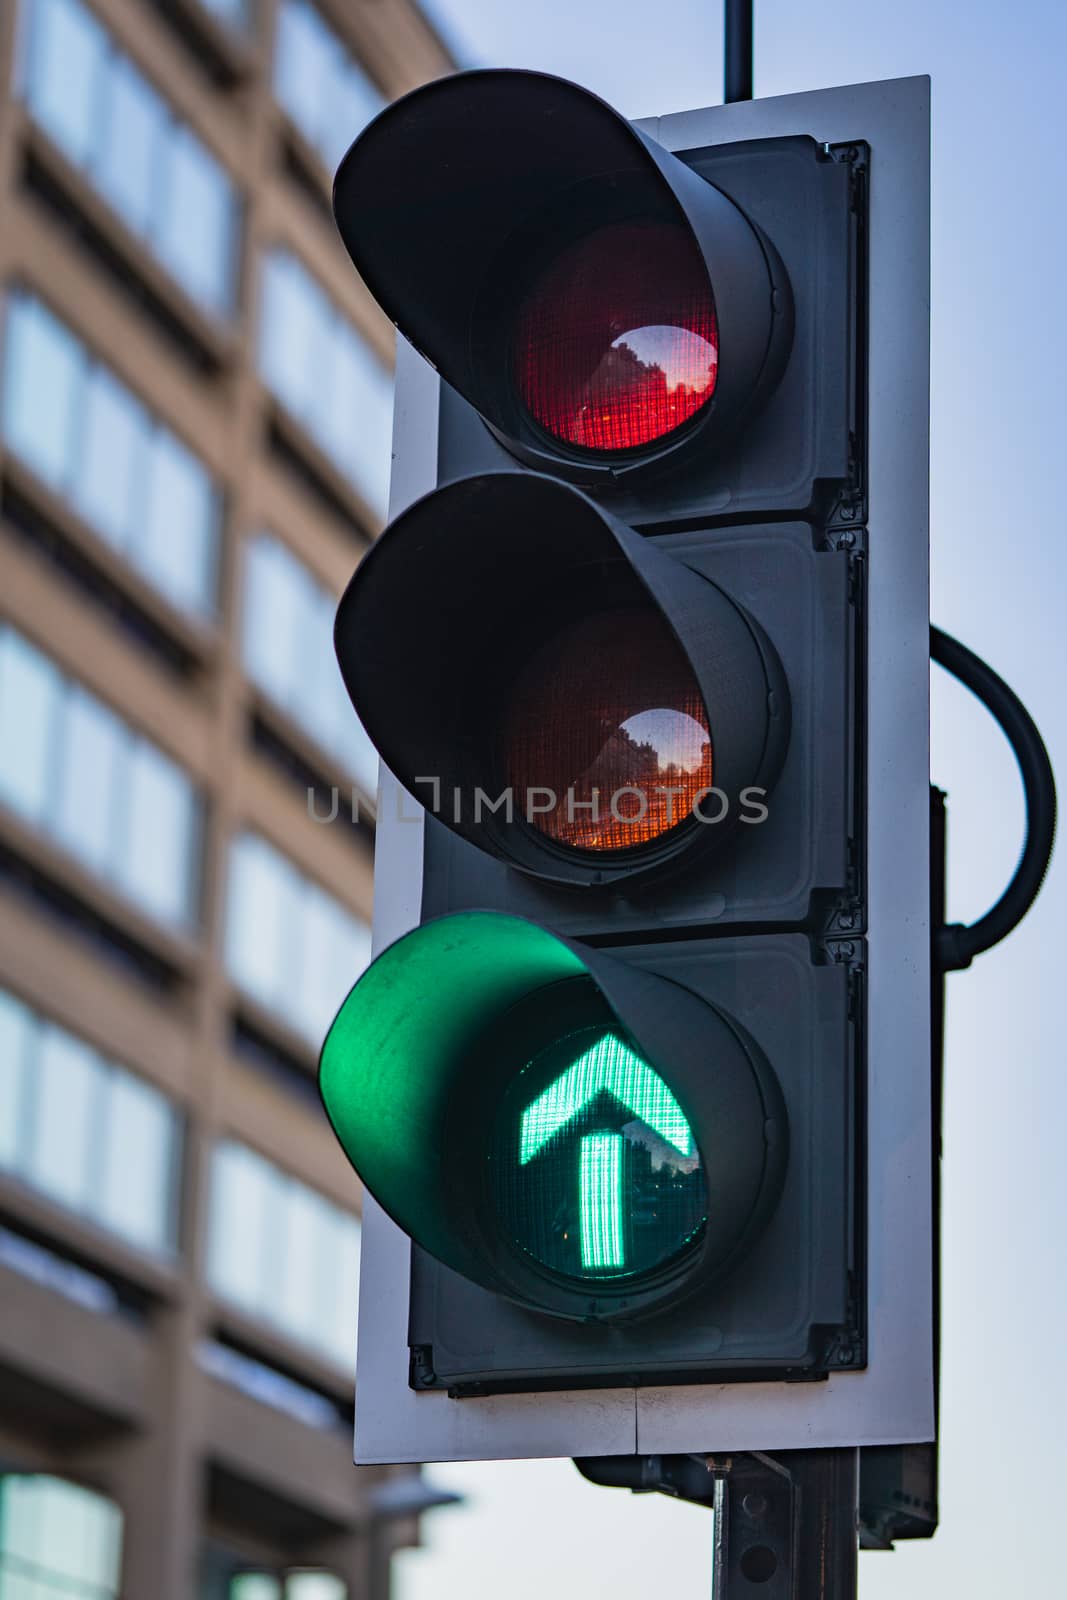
[[998, 582]]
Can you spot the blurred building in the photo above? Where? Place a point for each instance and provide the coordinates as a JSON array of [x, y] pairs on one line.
[[195, 407]]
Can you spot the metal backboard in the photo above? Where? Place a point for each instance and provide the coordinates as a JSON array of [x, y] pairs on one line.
[[892, 1400]]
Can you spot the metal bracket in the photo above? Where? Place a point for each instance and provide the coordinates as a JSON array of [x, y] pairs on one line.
[[785, 1528], [755, 1529]]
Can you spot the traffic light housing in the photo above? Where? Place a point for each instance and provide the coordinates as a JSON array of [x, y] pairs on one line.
[[614, 1089], [756, 623], [517, 1130], [463, 205]]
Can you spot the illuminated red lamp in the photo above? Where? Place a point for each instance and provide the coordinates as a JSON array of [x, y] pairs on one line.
[[617, 340]]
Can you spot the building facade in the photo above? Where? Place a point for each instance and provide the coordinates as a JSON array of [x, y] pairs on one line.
[[195, 412]]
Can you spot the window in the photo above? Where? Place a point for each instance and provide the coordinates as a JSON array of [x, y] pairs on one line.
[[85, 1132], [292, 946], [84, 433], [269, 1386], [76, 770], [235, 12], [63, 73], [161, 819], [312, 1585], [326, 375], [55, 1273], [44, 381], [109, 121], [31, 697], [113, 445], [224, 1575], [288, 652], [320, 85], [193, 233], [280, 1252], [132, 146], [58, 1541], [178, 549], [306, 1585], [89, 790]]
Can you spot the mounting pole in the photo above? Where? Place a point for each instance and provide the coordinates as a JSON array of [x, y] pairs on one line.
[[737, 52], [786, 1525]]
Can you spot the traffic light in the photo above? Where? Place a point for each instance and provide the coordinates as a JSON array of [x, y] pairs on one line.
[[556, 1134], [618, 1085]]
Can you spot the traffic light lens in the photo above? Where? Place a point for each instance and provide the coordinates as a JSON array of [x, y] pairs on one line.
[[618, 341], [607, 739], [596, 1171]]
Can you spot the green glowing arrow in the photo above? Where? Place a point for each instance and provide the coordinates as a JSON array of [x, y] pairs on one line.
[[600, 1201], [608, 1065]]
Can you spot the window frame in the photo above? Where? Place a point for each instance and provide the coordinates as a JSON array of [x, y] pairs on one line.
[[308, 399], [34, 88], [64, 687], [199, 599], [334, 1300], [106, 1077]]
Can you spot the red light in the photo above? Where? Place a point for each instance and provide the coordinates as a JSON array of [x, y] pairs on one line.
[[607, 742], [618, 342]]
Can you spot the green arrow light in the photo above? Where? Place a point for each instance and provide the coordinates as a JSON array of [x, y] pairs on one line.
[[600, 1199], [479, 1047], [609, 1065], [606, 1163]]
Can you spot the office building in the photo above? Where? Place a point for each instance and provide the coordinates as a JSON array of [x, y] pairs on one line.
[[195, 412]]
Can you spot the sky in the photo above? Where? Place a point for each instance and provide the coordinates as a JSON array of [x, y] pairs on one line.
[[999, 353]]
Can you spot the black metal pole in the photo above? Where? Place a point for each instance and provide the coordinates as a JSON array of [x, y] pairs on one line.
[[827, 1524], [789, 1523], [737, 65]]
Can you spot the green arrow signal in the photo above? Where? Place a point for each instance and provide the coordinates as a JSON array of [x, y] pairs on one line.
[[608, 1065], [600, 1201], [612, 1067]]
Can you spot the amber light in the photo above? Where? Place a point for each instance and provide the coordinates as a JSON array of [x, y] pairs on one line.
[[617, 343], [611, 706]]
